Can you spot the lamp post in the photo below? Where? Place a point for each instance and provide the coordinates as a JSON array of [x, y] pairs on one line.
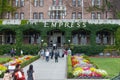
[[69, 43], [42, 43]]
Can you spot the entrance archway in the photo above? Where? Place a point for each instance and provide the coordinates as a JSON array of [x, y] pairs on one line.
[[31, 36], [55, 36], [81, 37], [7, 36], [104, 37]]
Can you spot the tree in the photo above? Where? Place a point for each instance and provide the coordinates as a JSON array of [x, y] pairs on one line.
[[117, 37], [6, 6], [116, 8]]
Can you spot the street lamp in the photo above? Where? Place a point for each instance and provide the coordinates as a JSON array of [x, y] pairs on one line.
[[42, 42], [69, 43]]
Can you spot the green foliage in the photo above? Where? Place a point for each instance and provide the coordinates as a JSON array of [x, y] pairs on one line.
[[117, 37], [69, 67], [4, 60], [39, 27], [5, 49], [88, 50], [24, 22], [5, 7], [1, 21], [44, 45], [27, 49], [111, 65], [1, 76], [30, 49], [29, 61]]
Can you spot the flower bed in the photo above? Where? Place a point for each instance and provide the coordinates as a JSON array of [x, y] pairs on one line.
[[84, 69], [25, 60]]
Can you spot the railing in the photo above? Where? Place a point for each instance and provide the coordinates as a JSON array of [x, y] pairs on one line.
[[91, 21]]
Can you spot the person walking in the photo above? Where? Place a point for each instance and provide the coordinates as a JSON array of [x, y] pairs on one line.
[[65, 52], [42, 53], [69, 51], [30, 72], [56, 55], [18, 73], [52, 53], [12, 52], [47, 53], [7, 75]]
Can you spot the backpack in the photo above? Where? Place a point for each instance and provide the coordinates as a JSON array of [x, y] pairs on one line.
[[19, 75]]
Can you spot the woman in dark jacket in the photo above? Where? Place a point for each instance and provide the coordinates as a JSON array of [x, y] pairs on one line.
[[56, 55], [30, 72]]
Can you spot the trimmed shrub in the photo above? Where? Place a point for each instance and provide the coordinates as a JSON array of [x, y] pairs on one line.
[[69, 67], [29, 61], [27, 49], [24, 22], [88, 50], [1, 21]]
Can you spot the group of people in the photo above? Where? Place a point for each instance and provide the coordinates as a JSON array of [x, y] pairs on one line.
[[18, 74], [54, 53], [49, 54]]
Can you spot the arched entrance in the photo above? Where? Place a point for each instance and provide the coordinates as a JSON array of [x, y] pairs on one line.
[[56, 37], [81, 37], [7, 36], [104, 37], [31, 36]]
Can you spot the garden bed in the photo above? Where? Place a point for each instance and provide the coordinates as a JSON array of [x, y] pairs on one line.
[[23, 61], [80, 67]]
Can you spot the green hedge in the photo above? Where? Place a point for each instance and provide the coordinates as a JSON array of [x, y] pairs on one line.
[[88, 50], [4, 60], [30, 49], [29, 61], [27, 49], [69, 67], [24, 22], [1, 21]]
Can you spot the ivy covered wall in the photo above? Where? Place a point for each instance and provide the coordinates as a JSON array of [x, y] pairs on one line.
[[40, 27]]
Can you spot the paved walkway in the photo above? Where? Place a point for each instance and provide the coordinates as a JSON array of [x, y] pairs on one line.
[[49, 70]]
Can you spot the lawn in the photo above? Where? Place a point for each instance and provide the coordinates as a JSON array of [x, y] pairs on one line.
[[4, 60], [111, 65]]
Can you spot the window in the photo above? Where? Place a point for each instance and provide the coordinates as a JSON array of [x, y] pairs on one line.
[[79, 15], [79, 2], [98, 2], [93, 15], [74, 2], [8, 15], [93, 2], [35, 3], [16, 3], [35, 16], [60, 2], [54, 2], [41, 15], [16, 15], [41, 2], [21, 15], [99, 15], [21, 3], [73, 15]]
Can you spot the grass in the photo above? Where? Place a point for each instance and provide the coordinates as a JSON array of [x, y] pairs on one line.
[[4, 60], [111, 65]]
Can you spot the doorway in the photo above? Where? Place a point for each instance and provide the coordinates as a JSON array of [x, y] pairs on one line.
[[55, 37]]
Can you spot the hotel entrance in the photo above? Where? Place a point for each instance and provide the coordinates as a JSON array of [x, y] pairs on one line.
[[55, 37]]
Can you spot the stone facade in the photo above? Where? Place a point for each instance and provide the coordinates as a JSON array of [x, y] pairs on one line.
[[61, 9]]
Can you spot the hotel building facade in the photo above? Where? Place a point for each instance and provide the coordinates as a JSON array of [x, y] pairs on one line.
[[60, 9]]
